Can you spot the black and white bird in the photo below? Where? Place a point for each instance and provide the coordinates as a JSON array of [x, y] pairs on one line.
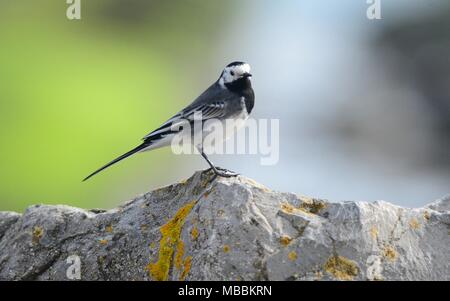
[[231, 97]]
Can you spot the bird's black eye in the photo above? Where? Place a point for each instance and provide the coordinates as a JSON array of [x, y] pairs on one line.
[[232, 73]]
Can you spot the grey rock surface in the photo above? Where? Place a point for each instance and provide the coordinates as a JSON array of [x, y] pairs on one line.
[[227, 229]]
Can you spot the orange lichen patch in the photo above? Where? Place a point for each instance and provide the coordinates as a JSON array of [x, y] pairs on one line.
[[414, 224], [292, 256], [374, 232], [341, 268], [285, 240], [426, 216], [170, 236], [186, 267], [310, 205], [37, 234], [109, 229], [194, 232], [226, 248], [103, 241], [390, 253]]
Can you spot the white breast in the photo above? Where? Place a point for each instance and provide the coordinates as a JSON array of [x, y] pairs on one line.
[[236, 122], [229, 126]]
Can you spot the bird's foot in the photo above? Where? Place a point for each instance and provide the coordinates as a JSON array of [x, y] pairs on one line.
[[228, 172], [223, 172]]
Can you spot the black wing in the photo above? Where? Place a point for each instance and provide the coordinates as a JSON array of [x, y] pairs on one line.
[[202, 112]]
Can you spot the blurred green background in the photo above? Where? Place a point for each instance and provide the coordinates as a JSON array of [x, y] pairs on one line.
[[75, 94], [363, 105]]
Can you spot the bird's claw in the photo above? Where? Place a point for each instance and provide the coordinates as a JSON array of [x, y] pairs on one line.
[[223, 172], [226, 174]]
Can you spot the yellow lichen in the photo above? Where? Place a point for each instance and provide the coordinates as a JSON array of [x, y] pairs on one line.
[[179, 254], [310, 205], [414, 224], [38, 232], [285, 240], [292, 256], [390, 253], [109, 229], [103, 241], [426, 216], [170, 236], [288, 208], [341, 268], [186, 267], [374, 232], [182, 265], [152, 245], [226, 248], [194, 232]]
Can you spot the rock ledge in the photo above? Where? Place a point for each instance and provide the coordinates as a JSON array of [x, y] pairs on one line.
[[227, 229]]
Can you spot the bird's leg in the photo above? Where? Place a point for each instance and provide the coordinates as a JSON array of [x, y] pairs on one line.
[[217, 170]]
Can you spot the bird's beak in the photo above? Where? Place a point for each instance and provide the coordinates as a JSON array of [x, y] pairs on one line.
[[246, 75]]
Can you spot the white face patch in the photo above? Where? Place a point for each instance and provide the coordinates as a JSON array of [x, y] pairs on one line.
[[233, 73]]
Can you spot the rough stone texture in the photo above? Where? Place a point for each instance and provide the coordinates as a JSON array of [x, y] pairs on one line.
[[228, 229]]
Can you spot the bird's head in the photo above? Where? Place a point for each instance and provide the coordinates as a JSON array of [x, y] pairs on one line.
[[236, 73]]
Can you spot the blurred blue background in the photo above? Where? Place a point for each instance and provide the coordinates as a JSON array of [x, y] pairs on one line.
[[364, 105]]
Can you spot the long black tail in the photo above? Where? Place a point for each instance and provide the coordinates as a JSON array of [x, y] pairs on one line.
[[126, 155]]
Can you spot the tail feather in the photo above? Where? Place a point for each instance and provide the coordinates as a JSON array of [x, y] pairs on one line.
[[126, 155]]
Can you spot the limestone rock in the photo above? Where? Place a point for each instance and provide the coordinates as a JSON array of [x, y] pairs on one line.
[[227, 229]]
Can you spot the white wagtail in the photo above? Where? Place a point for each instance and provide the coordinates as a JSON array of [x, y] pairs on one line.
[[231, 97]]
